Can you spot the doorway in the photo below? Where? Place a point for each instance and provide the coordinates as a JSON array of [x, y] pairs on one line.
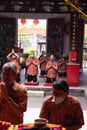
[[32, 35]]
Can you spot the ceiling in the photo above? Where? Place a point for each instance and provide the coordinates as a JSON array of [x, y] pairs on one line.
[[39, 6]]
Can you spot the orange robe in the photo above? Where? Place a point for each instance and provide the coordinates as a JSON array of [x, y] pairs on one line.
[[32, 66], [51, 68]]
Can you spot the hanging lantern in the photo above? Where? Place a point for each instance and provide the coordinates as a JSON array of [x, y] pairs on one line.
[[23, 21], [36, 21]]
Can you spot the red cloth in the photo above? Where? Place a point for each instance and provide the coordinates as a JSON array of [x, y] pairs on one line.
[[31, 83], [47, 84]]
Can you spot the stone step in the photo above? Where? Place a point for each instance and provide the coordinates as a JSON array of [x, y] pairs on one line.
[[41, 91], [32, 93]]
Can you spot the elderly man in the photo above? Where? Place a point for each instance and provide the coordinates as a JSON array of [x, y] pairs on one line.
[[61, 108], [13, 97]]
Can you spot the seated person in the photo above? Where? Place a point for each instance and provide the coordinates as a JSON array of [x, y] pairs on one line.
[[51, 68], [62, 108], [32, 63], [13, 97]]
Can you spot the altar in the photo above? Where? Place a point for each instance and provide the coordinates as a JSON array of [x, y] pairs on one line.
[[29, 126]]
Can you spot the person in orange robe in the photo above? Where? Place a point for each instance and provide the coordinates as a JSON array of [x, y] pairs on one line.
[[15, 58], [62, 67], [32, 63], [51, 67], [43, 61]]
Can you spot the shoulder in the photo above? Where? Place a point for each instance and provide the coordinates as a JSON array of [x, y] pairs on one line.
[[48, 62], [48, 99], [20, 88], [72, 101], [28, 58], [35, 58], [55, 62]]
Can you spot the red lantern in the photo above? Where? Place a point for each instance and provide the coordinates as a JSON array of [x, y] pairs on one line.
[[36, 21], [23, 21]]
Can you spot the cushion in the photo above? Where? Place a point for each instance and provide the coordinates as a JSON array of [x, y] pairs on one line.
[[47, 84], [31, 83]]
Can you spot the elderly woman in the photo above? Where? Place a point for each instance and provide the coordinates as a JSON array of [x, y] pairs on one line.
[[13, 97]]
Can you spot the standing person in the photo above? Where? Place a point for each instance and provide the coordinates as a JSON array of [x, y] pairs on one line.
[[43, 61], [51, 67], [62, 67], [32, 63], [61, 108], [13, 97], [15, 58]]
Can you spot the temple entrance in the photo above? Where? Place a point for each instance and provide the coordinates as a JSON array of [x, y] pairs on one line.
[[32, 35], [38, 35]]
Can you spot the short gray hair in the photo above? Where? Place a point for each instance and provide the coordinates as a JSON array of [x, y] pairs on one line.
[[11, 66]]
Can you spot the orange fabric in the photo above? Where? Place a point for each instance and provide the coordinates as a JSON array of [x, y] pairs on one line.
[[17, 63], [62, 67], [32, 66], [18, 95], [67, 113], [43, 62], [51, 68]]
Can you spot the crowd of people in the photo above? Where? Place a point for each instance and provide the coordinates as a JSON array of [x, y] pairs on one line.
[[59, 108], [49, 66]]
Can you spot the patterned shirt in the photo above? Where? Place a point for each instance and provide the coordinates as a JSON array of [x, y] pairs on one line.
[[19, 95], [67, 113]]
